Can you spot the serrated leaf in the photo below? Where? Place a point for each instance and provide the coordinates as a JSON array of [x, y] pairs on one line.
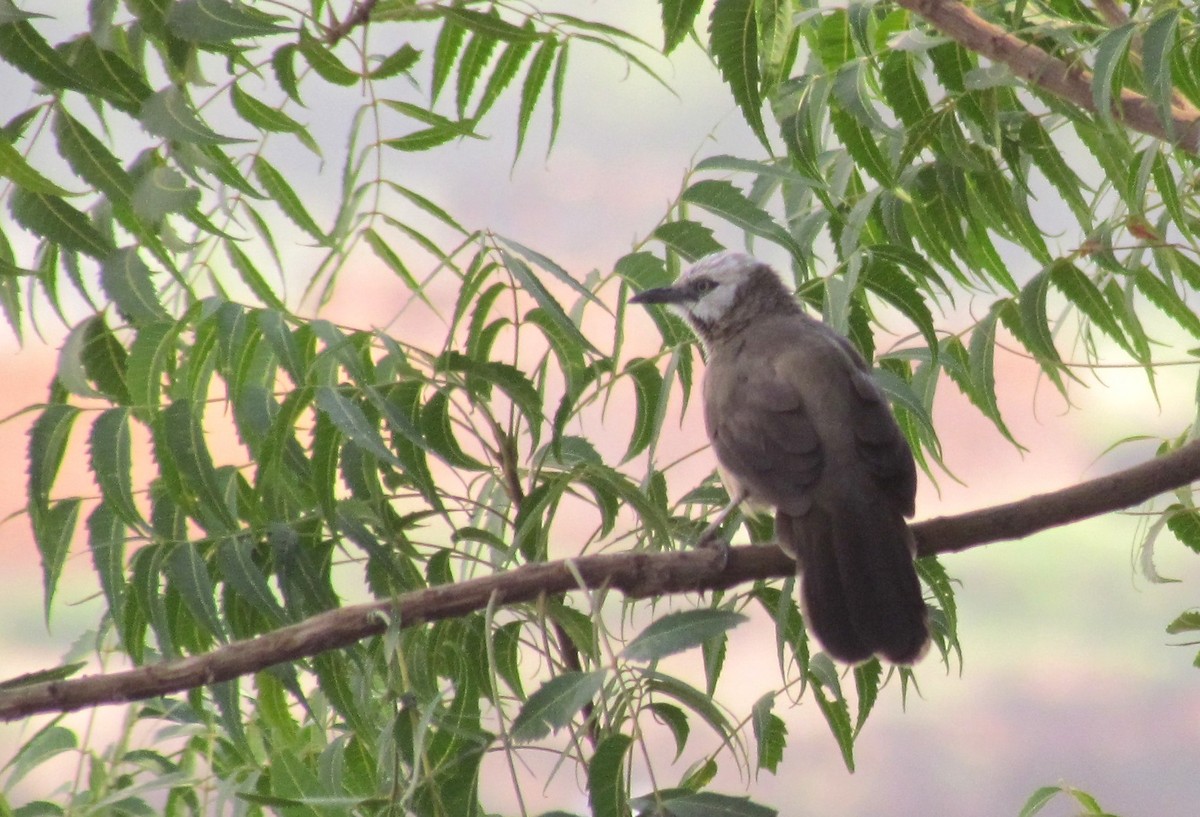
[[54, 219], [282, 193], [531, 89], [261, 115], [888, 282], [398, 62], [837, 715], [690, 239], [183, 434], [553, 268], [770, 733], [1185, 622], [1185, 524], [125, 279], [1111, 50], [508, 378], [862, 145], [170, 114], [106, 74], [529, 282], [351, 421], [723, 199], [53, 529], [22, 47], [111, 460], [714, 804], [438, 431], [162, 191], [866, 684], [555, 704], [14, 166], [475, 57], [1164, 296], [1068, 279], [733, 41], [503, 72], [106, 542], [648, 386], [678, 17], [1032, 305], [48, 438], [676, 632], [981, 389], [327, 65], [607, 793], [252, 278], [903, 89], [219, 21], [491, 25], [185, 568], [51, 740], [676, 720], [235, 561]]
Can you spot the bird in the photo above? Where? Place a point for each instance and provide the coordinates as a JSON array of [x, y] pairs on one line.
[[799, 424]]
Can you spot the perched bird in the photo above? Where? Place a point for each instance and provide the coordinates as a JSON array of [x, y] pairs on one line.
[[799, 424]]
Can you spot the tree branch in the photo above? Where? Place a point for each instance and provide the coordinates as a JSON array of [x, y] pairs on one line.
[[1051, 74], [635, 574]]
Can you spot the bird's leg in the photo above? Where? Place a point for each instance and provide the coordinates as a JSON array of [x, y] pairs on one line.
[[709, 538]]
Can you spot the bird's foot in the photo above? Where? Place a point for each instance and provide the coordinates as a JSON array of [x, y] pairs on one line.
[[711, 540]]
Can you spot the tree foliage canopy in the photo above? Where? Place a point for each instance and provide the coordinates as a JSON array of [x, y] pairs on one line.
[[295, 466]]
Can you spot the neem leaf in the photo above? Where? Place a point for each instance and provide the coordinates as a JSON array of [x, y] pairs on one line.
[[733, 31], [680, 631], [556, 703]]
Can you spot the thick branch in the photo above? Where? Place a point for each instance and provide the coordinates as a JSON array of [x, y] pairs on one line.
[[637, 575], [1068, 82]]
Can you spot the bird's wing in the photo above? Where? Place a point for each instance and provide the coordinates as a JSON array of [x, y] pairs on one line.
[[777, 403]]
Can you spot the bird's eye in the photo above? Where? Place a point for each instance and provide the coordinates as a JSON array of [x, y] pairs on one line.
[[705, 285]]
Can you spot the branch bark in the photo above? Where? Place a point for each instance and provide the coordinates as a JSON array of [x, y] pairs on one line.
[[1070, 82], [636, 575]]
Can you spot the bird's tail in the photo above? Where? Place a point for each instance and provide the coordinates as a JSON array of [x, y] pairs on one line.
[[858, 584]]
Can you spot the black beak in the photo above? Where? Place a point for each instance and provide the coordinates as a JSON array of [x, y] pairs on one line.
[[662, 295]]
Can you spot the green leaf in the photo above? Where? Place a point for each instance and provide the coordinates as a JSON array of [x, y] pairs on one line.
[[903, 89], [836, 713], [183, 435], [1111, 53], [503, 72], [104, 360], [553, 268], [14, 166], [111, 460], [862, 145], [9, 13], [53, 530], [676, 632], [1164, 296], [106, 541], [126, 279], [690, 239], [106, 74], [398, 62], [607, 794], [475, 57], [531, 89], [219, 21], [981, 363], [252, 278], [555, 704], [171, 115], [678, 17], [53, 219], [261, 115], [278, 189], [351, 421], [770, 733], [533, 286], [888, 282], [1185, 524], [714, 804], [186, 570], [22, 47], [674, 719], [648, 387], [1087, 298], [48, 438], [1186, 622], [162, 191], [51, 740], [438, 431], [491, 25], [733, 41], [723, 199]]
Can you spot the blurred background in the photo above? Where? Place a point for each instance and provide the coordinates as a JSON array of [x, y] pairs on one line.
[[1068, 675]]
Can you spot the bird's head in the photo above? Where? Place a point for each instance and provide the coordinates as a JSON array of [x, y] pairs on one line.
[[721, 291]]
